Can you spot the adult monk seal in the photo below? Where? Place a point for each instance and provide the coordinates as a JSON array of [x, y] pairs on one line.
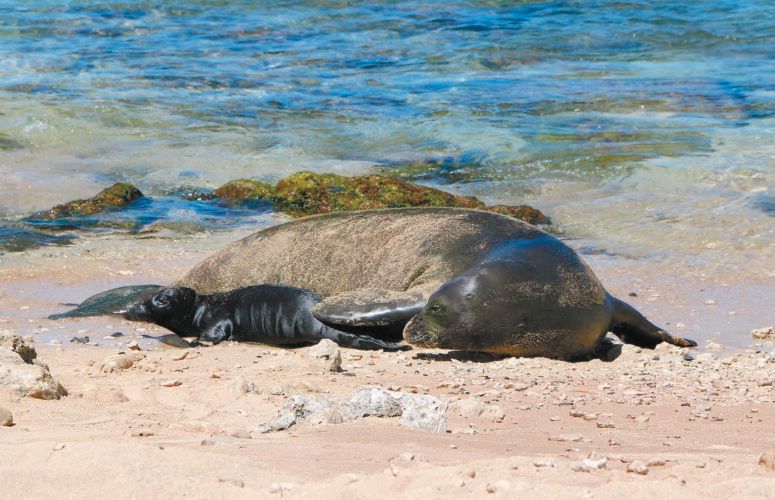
[[270, 314], [451, 278]]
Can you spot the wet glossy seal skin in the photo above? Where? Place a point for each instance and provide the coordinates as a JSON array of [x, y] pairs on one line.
[[449, 278], [270, 314]]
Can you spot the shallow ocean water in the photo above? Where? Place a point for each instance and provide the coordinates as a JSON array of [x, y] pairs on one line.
[[644, 130]]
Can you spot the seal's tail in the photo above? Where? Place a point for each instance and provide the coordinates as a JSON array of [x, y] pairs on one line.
[[633, 328]]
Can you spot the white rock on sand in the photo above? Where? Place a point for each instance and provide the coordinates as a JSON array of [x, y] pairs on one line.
[[27, 378]]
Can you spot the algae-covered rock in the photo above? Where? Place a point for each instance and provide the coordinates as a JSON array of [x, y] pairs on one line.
[[117, 196], [522, 212], [245, 189], [307, 193]]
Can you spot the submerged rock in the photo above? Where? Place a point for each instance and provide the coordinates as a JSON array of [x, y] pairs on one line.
[[117, 196], [17, 239]]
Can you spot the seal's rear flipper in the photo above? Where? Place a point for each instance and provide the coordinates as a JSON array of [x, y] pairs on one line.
[[110, 302], [369, 307], [633, 328], [363, 342]]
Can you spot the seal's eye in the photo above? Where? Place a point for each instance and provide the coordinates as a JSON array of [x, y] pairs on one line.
[[436, 308], [161, 300], [469, 296]]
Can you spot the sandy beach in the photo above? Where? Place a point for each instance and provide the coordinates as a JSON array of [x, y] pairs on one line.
[[203, 423]]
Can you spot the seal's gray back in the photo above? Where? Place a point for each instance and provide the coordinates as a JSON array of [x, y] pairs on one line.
[[333, 253]]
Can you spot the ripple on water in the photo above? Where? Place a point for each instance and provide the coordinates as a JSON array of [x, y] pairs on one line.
[[18, 239]]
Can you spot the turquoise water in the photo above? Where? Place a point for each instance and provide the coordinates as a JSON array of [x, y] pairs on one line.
[[643, 128]]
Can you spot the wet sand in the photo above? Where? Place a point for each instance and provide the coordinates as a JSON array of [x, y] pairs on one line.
[[698, 425]]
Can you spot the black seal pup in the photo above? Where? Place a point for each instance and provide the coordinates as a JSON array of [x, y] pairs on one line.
[[270, 314]]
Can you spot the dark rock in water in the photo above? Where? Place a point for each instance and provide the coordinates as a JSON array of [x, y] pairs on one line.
[[308, 193], [765, 202], [80, 340], [117, 196], [17, 239]]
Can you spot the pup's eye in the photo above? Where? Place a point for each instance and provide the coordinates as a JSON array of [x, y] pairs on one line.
[[161, 300], [469, 296]]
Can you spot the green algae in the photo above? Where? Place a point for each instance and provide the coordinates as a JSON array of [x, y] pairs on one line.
[[117, 196], [8, 144], [123, 207], [245, 189], [522, 212], [308, 193]]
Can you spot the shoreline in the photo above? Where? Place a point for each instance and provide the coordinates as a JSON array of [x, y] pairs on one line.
[[701, 424]]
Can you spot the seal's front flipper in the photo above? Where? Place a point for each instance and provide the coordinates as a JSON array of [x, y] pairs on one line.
[[111, 302], [219, 332], [369, 307], [633, 328], [362, 341]]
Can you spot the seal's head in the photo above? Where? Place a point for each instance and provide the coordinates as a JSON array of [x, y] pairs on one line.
[[466, 313], [512, 307], [170, 307]]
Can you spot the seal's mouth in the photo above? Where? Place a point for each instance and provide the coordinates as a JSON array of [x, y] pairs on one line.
[[420, 333]]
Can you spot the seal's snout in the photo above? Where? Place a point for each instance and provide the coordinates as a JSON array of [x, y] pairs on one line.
[[418, 332], [137, 312]]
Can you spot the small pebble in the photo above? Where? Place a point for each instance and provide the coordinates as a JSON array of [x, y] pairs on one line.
[[171, 382], [239, 483], [132, 345], [763, 333], [59, 447], [767, 460], [638, 467], [470, 472], [6, 417]]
